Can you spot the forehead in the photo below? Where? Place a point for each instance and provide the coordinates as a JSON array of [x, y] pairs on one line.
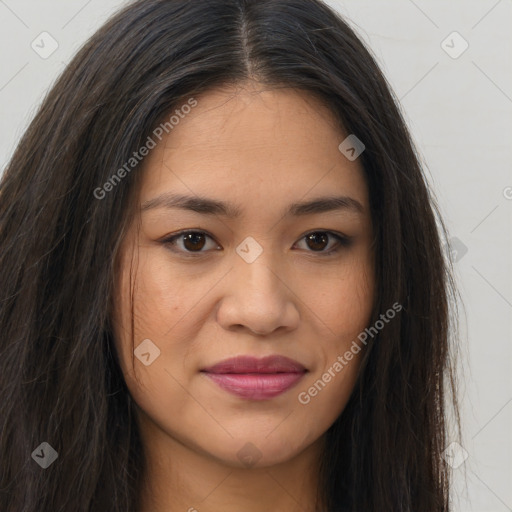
[[248, 117], [250, 143]]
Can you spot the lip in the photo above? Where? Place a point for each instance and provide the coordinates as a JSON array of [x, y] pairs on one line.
[[254, 378]]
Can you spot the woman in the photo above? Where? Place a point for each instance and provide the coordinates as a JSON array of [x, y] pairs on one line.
[[223, 286]]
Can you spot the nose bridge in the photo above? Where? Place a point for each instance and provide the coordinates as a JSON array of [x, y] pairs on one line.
[[256, 296], [256, 270]]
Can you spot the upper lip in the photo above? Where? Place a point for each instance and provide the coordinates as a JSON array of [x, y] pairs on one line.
[[249, 364]]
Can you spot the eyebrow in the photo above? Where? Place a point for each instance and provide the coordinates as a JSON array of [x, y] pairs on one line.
[[207, 206]]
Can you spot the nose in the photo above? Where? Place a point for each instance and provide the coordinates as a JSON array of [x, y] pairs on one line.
[[258, 297]]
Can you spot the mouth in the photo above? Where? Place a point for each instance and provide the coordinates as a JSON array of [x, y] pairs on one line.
[[256, 379]]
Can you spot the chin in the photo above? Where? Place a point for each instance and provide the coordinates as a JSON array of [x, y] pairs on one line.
[[257, 451]]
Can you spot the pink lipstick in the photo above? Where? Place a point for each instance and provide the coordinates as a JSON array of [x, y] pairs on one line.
[[256, 379]]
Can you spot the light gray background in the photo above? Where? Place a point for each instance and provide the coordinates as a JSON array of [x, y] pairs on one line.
[[459, 111]]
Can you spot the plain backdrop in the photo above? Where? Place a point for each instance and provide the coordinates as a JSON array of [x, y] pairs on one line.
[[449, 63]]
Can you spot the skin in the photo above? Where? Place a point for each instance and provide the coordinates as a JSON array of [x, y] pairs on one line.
[[262, 150]]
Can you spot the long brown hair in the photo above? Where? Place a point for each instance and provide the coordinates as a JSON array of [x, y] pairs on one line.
[[60, 380]]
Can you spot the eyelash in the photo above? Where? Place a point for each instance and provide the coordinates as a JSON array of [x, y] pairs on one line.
[[343, 242]]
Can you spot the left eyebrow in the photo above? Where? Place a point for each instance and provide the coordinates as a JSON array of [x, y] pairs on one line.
[[207, 206]]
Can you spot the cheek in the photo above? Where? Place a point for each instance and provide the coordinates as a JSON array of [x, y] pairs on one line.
[[156, 312], [346, 309], [166, 305], [342, 299], [325, 397], [164, 296], [143, 285], [343, 302]]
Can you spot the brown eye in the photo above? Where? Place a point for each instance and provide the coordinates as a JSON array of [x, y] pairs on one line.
[[190, 243], [317, 241], [193, 241]]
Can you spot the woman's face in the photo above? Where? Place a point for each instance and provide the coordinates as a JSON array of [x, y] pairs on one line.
[[273, 280]]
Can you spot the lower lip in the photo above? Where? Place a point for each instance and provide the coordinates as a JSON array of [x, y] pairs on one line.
[[255, 386]]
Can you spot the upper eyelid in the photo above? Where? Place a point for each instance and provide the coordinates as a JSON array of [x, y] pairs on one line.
[[185, 232]]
